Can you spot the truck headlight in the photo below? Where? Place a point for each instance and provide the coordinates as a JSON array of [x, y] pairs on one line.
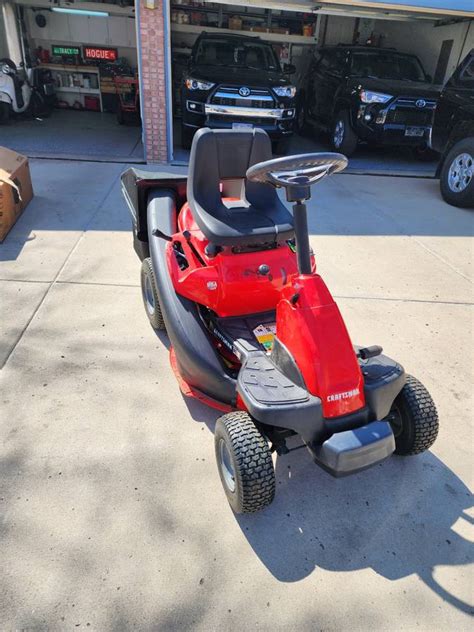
[[197, 84], [285, 91], [367, 96]]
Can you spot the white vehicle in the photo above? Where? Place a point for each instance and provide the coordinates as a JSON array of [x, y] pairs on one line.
[[20, 93]]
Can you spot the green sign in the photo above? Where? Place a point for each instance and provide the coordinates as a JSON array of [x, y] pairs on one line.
[[65, 51]]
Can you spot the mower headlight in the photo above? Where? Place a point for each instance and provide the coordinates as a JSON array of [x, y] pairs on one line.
[[285, 91], [196, 84], [367, 96]]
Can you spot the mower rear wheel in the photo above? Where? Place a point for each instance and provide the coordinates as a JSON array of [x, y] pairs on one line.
[[150, 296], [244, 462], [413, 418]]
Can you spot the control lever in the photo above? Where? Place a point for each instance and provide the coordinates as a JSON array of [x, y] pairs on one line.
[[369, 352], [157, 233]]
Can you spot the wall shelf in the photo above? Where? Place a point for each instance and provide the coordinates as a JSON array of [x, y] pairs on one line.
[[61, 71], [268, 37]]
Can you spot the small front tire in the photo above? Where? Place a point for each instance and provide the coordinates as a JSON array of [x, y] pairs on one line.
[[150, 296], [244, 462], [414, 419]]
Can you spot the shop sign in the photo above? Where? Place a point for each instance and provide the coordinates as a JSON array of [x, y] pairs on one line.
[[65, 51], [100, 54]]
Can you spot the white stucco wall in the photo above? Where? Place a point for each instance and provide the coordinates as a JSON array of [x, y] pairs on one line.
[[425, 40]]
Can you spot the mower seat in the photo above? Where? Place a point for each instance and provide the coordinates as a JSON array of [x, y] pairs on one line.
[[220, 155]]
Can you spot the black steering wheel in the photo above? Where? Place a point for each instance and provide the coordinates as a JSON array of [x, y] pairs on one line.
[[300, 170]]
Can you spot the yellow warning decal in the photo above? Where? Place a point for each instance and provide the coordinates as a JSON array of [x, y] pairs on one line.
[[265, 334]]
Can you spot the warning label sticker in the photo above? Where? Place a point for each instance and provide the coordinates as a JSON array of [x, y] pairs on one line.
[[265, 334]]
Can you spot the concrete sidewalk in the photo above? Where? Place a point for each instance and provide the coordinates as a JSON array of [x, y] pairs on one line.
[[112, 512]]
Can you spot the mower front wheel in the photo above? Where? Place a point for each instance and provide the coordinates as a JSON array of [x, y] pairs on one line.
[[414, 419], [245, 463], [150, 296]]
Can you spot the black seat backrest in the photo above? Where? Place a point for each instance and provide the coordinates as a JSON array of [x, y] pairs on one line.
[[219, 155]]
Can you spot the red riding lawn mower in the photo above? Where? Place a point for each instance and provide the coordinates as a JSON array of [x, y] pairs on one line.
[[228, 272]]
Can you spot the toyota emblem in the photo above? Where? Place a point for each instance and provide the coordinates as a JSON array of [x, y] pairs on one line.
[[244, 91], [420, 103]]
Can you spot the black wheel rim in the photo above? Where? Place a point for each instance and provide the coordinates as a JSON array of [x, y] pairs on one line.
[[395, 420]]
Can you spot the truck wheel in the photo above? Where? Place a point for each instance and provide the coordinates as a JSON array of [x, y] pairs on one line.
[[150, 296], [413, 418], [343, 137], [244, 462], [457, 175], [4, 112]]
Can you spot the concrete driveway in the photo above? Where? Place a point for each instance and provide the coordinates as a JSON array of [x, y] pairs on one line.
[[112, 513]]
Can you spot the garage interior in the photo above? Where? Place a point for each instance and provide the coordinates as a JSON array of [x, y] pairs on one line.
[[91, 47], [439, 42], [90, 53]]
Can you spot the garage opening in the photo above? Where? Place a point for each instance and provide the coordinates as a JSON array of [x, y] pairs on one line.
[[73, 80], [369, 79]]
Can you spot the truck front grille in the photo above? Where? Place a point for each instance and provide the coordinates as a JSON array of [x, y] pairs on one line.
[[404, 111], [228, 95]]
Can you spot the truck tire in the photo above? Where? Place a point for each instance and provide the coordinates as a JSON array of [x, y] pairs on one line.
[[343, 137], [457, 174], [244, 462], [150, 296], [413, 418]]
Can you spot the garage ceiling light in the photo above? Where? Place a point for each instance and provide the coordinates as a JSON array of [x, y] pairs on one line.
[[95, 14]]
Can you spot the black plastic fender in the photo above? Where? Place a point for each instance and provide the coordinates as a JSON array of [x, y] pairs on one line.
[[197, 360]]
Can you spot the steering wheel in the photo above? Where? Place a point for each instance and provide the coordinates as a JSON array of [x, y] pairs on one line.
[[300, 170]]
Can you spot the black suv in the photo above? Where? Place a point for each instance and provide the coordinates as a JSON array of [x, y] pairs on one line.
[[236, 81], [377, 95], [453, 135]]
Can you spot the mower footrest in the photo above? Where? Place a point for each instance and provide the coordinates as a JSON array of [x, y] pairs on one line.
[[354, 450]]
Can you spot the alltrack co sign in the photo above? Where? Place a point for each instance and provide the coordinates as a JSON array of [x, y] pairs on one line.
[[100, 54]]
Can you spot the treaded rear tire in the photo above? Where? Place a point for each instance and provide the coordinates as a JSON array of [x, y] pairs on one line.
[[153, 311], [254, 476], [418, 417]]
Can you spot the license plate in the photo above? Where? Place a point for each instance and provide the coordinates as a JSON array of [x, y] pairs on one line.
[[414, 131], [242, 126]]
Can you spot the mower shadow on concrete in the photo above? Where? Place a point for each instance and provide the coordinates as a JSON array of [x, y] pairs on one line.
[[396, 519]]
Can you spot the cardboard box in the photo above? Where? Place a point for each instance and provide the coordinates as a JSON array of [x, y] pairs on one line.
[[15, 188]]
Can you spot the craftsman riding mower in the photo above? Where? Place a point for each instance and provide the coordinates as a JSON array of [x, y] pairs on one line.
[[228, 272]]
